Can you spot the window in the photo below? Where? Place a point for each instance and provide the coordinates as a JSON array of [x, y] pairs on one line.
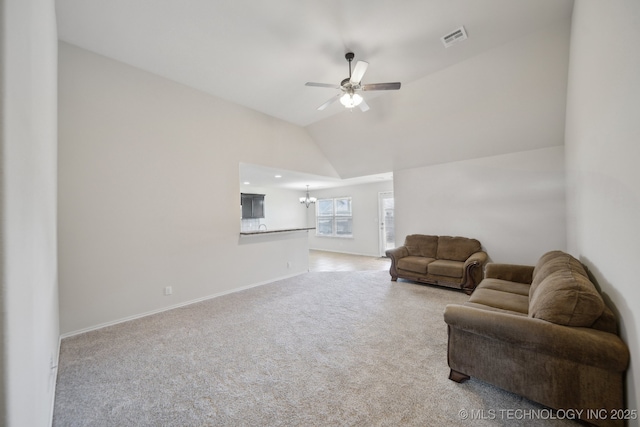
[[334, 217], [252, 205]]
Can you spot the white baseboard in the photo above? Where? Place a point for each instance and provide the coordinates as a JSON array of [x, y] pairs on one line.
[[171, 307], [54, 373]]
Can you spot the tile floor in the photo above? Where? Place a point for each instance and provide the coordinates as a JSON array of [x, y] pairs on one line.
[[333, 261]]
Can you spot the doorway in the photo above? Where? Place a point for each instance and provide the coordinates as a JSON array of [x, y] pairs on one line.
[[387, 237]]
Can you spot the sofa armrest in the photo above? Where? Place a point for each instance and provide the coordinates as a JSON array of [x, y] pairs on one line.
[[510, 272], [473, 271], [478, 258], [397, 253], [583, 345]]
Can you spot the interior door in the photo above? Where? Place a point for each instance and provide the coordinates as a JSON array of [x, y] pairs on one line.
[[387, 237]]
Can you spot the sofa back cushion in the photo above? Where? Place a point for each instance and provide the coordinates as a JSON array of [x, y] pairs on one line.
[[607, 321], [550, 263], [566, 297], [457, 248], [421, 245]]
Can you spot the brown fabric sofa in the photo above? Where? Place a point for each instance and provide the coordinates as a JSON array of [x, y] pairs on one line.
[[455, 262], [544, 333]]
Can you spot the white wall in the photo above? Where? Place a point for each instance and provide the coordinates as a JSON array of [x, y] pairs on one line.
[[29, 291], [149, 194], [513, 203], [364, 203], [603, 148]]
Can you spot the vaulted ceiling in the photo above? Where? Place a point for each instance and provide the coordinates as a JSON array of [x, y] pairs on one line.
[[479, 97]]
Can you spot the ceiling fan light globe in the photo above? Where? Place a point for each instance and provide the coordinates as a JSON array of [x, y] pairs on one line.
[[345, 100], [350, 100]]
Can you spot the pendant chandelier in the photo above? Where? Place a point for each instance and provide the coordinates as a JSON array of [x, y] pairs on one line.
[[307, 200]]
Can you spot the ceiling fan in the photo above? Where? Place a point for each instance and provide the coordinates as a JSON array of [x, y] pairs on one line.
[[349, 87]]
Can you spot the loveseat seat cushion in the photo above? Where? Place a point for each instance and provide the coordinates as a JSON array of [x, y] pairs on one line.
[[443, 267], [415, 264], [457, 248], [566, 297], [421, 245]]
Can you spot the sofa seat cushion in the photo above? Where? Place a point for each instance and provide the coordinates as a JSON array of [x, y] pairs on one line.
[[494, 309], [505, 286], [446, 268], [500, 299], [566, 298], [415, 264]]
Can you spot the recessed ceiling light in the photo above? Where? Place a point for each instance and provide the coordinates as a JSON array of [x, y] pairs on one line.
[[278, 176], [246, 183]]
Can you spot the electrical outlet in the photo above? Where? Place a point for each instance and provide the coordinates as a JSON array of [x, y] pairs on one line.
[[168, 290]]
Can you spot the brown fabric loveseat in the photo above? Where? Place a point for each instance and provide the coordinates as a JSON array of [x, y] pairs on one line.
[[544, 333], [455, 262]]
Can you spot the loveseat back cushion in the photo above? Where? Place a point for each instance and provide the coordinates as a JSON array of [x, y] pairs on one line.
[[457, 248], [566, 298], [552, 262], [421, 245]]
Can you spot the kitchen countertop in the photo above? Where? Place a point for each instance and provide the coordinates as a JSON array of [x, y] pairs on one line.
[[280, 230]]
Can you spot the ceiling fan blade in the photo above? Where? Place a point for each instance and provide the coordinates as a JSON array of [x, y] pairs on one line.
[[358, 72], [382, 86], [363, 106], [322, 85], [329, 102]]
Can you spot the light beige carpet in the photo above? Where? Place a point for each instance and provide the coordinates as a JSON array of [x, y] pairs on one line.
[[320, 349]]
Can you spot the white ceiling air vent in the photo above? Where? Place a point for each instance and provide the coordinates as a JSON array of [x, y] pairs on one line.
[[453, 37]]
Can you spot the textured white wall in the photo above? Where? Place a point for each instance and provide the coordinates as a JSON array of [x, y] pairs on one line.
[[365, 240], [149, 194], [29, 291], [513, 203], [603, 148]]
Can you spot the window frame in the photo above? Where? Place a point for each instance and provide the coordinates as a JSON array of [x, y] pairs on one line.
[[341, 211]]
